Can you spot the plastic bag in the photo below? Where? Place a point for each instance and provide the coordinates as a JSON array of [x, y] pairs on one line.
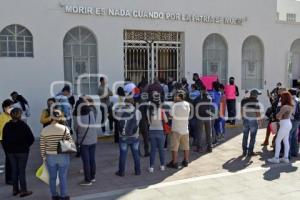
[[43, 174]]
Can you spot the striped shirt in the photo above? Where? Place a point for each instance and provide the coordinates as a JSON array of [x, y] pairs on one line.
[[50, 137]]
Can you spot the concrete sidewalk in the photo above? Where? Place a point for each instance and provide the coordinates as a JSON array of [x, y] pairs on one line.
[[224, 159]]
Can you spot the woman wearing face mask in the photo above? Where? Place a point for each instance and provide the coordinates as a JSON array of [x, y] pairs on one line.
[[45, 118]]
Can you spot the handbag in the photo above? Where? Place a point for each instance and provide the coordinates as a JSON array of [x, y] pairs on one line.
[[43, 174], [66, 146], [166, 126]]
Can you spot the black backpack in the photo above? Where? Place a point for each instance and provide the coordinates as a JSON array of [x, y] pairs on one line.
[[128, 125]]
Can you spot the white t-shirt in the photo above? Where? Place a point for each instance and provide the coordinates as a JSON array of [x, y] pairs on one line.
[[180, 112]]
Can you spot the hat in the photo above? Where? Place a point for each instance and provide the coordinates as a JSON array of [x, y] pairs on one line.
[[255, 92]]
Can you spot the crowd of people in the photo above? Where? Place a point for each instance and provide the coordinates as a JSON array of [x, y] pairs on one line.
[[159, 115]]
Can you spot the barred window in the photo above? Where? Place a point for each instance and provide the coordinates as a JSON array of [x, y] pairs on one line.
[[252, 63], [215, 57], [291, 17], [80, 57], [16, 41]]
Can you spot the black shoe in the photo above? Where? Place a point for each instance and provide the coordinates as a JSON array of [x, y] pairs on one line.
[[16, 192], [146, 155], [185, 163], [209, 150], [172, 165], [9, 183], [25, 194], [64, 198], [120, 174], [56, 198], [250, 154], [138, 173]]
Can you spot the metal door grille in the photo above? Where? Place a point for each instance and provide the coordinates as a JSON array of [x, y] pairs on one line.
[[150, 54]]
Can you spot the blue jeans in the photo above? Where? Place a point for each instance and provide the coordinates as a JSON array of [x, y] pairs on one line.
[[249, 126], [124, 144], [88, 160], [157, 140], [220, 126], [58, 163], [294, 149]]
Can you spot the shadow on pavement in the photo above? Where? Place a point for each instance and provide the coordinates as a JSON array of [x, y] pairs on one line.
[[275, 171], [237, 164]]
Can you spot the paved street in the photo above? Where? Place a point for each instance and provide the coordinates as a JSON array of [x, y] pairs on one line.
[[224, 174]]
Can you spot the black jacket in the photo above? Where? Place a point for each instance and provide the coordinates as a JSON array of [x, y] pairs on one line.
[[17, 137]]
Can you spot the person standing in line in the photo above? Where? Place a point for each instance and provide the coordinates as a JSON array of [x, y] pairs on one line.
[[117, 101], [185, 85], [220, 122], [57, 164], [285, 127], [87, 140], [129, 118], [205, 112], [5, 117], [62, 100], [165, 88], [216, 95], [21, 102], [104, 94], [45, 118], [295, 118], [231, 92], [144, 126], [198, 83], [17, 139], [156, 117], [180, 113], [250, 112]]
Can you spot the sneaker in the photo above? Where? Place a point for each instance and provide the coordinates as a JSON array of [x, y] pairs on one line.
[[151, 169], [185, 163], [162, 168], [274, 160], [93, 180], [173, 165], [285, 160], [85, 183], [25, 194]]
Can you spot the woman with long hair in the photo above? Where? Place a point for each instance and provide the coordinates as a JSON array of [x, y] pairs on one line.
[[156, 117], [284, 116], [57, 164]]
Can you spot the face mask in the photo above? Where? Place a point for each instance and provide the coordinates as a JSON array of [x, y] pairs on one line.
[[231, 82], [8, 110]]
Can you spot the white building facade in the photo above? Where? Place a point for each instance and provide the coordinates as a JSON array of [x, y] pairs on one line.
[[44, 42]]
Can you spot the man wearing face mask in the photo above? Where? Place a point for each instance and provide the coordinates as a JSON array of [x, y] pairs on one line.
[[231, 92], [4, 118]]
